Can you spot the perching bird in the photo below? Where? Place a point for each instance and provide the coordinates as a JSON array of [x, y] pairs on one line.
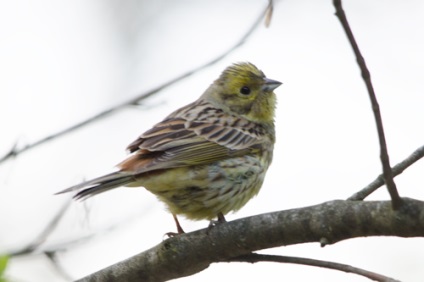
[[207, 158]]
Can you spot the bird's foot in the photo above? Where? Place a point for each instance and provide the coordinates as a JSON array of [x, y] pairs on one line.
[[221, 219], [180, 230]]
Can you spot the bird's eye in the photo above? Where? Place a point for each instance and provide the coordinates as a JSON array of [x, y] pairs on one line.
[[245, 90]]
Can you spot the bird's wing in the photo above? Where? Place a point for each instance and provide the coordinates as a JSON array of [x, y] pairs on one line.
[[184, 140]]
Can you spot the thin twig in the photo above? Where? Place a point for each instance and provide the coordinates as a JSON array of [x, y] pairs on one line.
[[15, 151], [253, 258], [67, 244], [268, 13], [387, 171], [52, 256], [396, 170], [41, 238]]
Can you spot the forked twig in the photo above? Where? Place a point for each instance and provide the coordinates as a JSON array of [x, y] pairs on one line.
[[387, 171], [396, 170], [52, 256], [41, 238]]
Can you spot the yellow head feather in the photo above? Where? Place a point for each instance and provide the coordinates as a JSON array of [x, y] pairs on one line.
[[242, 89]]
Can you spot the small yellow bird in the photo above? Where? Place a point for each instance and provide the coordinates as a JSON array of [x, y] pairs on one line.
[[207, 158]]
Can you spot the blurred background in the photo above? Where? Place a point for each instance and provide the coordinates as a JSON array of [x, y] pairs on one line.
[[62, 62]]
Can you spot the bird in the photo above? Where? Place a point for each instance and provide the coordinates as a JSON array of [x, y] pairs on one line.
[[207, 158]]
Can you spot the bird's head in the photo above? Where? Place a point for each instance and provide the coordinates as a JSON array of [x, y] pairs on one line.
[[242, 89]]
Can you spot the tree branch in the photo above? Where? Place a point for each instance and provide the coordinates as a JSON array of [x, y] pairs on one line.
[[253, 258], [329, 222], [45, 233], [387, 171], [396, 170], [15, 151]]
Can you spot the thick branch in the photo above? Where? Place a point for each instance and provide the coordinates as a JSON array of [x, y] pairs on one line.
[[329, 222]]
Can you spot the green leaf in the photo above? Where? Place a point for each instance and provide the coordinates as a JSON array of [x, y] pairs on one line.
[[3, 264]]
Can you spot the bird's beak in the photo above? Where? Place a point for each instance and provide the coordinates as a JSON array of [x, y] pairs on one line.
[[270, 85]]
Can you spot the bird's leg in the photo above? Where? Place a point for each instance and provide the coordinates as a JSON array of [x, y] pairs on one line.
[[221, 219], [179, 228]]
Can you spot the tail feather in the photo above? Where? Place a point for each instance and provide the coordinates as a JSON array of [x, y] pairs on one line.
[[99, 185]]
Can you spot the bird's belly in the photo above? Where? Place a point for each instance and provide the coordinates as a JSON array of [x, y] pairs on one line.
[[201, 192]]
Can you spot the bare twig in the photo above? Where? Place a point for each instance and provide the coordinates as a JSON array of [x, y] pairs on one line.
[[387, 171], [41, 238], [268, 13], [253, 258], [15, 151], [52, 256], [396, 170], [66, 244]]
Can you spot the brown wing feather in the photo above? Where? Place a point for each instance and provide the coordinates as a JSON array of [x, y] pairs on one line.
[[185, 139]]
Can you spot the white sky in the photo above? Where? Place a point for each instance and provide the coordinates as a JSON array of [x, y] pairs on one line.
[[64, 61]]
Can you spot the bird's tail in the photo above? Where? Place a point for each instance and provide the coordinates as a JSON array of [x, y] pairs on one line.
[[99, 185]]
